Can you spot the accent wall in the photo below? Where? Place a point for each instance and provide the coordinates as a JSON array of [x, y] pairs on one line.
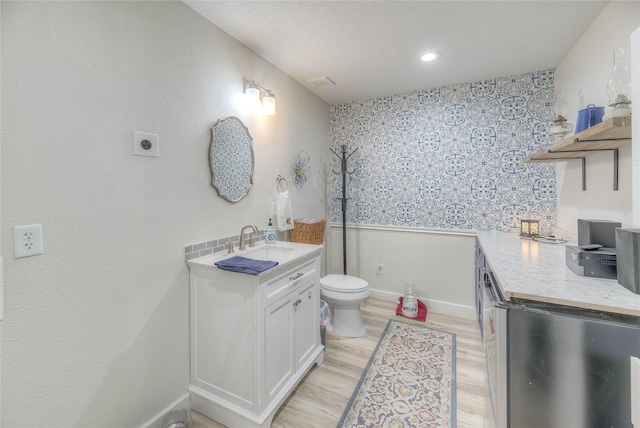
[[448, 158]]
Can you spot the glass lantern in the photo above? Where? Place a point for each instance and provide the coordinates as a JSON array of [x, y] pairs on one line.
[[560, 128], [619, 86]]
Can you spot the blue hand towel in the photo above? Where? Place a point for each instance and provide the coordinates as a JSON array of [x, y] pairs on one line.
[[245, 265]]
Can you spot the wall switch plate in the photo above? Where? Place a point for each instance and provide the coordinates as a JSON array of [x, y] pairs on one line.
[[145, 144], [27, 240]]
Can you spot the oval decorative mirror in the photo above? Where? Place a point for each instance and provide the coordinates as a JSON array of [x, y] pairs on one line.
[[231, 159]]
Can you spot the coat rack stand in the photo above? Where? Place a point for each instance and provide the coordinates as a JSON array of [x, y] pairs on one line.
[[343, 171]]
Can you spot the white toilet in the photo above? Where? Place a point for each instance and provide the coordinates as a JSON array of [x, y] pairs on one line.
[[344, 294]]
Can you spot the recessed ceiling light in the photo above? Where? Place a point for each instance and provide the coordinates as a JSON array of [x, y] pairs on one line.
[[431, 56]]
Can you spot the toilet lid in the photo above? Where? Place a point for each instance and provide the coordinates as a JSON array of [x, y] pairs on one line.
[[343, 283]]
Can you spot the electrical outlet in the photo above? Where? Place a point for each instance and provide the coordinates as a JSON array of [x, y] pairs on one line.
[[274, 208], [145, 144], [379, 269], [27, 240]]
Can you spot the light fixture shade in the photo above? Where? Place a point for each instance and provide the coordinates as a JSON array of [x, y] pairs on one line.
[[269, 104], [252, 95]]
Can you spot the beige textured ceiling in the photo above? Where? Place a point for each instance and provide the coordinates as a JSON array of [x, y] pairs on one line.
[[373, 48]]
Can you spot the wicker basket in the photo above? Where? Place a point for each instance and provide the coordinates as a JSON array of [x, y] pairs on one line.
[[308, 233]]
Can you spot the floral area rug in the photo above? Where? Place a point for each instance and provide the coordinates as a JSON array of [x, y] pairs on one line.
[[408, 382]]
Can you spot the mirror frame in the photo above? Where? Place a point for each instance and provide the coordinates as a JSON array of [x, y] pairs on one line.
[[241, 146]]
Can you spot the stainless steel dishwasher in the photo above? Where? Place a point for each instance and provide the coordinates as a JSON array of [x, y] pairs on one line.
[[569, 367]]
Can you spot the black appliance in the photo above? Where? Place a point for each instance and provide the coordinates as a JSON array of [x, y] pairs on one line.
[[600, 263], [601, 232]]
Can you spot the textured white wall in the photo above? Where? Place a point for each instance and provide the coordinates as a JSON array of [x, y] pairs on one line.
[[96, 329], [583, 75]]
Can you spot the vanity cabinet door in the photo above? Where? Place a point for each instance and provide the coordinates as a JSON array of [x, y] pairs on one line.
[[307, 330], [279, 341]]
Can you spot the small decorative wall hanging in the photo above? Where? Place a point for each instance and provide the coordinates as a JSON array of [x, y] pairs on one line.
[[300, 169]]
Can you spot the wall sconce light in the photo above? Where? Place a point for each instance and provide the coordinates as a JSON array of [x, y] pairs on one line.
[[255, 94], [529, 228], [269, 103], [252, 95]]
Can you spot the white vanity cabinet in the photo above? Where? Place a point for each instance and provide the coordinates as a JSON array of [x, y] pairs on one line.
[[253, 338]]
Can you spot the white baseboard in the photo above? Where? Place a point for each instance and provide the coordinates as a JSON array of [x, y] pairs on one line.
[[432, 305], [180, 403]]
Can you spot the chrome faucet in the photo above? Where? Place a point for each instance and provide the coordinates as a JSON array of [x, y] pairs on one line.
[[255, 230]]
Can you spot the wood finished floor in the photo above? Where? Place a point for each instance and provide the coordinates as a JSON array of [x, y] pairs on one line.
[[319, 400]]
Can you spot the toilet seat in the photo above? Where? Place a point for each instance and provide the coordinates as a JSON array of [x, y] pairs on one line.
[[343, 284]]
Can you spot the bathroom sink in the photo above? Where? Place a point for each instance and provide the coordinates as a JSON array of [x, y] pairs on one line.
[[283, 253], [269, 252]]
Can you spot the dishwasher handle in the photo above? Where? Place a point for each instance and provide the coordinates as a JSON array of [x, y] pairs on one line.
[[491, 289]]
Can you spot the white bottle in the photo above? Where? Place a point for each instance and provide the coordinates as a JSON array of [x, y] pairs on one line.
[[410, 301]]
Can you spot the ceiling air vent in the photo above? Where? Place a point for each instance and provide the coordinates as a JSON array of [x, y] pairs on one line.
[[322, 82]]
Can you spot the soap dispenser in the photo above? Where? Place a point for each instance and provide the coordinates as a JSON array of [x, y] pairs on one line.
[[270, 234]]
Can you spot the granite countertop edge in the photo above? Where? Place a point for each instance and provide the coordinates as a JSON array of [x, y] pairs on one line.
[[533, 270]]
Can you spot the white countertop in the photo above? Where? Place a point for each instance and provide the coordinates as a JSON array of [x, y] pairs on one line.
[[537, 271], [285, 253]]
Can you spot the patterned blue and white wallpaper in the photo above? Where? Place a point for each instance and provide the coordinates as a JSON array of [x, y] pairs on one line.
[[450, 157]]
